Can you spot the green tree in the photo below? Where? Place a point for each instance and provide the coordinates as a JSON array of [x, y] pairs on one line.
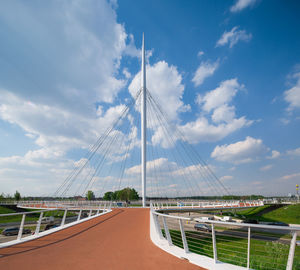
[[90, 195], [108, 196], [17, 196]]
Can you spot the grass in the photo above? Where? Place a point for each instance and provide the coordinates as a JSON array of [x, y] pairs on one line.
[[289, 214], [30, 217], [263, 254]]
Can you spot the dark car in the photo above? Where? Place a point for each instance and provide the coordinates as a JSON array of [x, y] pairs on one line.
[[202, 227], [251, 221], [50, 226], [14, 231]]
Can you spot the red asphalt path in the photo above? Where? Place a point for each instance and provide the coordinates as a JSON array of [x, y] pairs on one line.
[[118, 240]]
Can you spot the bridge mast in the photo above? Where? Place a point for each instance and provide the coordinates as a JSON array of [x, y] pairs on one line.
[[143, 125]]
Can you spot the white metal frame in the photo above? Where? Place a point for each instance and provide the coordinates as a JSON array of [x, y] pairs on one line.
[[159, 240]]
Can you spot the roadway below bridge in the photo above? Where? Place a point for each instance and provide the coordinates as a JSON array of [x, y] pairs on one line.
[[117, 240]]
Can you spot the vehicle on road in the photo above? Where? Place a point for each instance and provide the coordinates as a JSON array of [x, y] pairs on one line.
[[50, 226], [202, 227], [14, 231]]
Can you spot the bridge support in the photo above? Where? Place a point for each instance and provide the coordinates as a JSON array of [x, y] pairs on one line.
[[143, 125]]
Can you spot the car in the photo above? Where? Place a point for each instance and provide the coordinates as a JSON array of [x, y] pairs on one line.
[[202, 227], [298, 243], [50, 226], [251, 221], [14, 231]]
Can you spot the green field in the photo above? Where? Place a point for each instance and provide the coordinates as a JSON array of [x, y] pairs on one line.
[[29, 217], [289, 214], [263, 255]]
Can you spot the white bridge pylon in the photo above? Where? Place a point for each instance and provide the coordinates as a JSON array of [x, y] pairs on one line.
[[143, 125]]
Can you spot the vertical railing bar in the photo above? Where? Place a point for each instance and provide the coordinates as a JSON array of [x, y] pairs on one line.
[[214, 242], [64, 218], [248, 251], [167, 231], [21, 227], [157, 225], [290, 261], [185, 245], [79, 215], [38, 225]]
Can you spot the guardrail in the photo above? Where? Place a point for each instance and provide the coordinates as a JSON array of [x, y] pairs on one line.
[[226, 245], [206, 204], [92, 212]]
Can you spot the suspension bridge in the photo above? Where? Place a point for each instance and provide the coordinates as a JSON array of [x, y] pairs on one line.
[[159, 234]]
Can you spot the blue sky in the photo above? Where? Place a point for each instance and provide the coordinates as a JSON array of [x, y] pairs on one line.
[[226, 72]]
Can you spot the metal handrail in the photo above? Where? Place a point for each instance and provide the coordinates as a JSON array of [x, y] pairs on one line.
[[213, 243]]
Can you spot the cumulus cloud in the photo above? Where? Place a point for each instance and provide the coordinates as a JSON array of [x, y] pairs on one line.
[[294, 152], [274, 154], [206, 69], [292, 95], [219, 96], [55, 127], [233, 37], [165, 84], [202, 131], [215, 105], [242, 4], [240, 152]]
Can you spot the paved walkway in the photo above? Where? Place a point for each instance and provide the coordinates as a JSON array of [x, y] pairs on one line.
[[118, 240]]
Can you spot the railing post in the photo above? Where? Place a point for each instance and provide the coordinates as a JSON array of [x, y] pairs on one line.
[[167, 231], [90, 213], [64, 218], [38, 225], [214, 242], [79, 215], [157, 225], [290, 261], [248, 253], [21, 227], [185, 245]]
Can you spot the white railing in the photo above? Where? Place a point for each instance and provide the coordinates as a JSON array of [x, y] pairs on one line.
[[226, 245], [83, 214], [205, 204]]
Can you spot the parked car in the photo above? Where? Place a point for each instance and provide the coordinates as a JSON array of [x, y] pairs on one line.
[[14, 231], [202, 227]]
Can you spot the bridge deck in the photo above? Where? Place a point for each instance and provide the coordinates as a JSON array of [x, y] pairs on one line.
[[118, 240]]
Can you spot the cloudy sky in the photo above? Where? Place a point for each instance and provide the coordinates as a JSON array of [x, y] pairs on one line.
[[227, 73]]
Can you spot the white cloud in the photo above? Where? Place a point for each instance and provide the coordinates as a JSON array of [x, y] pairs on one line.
[[266, 168], [165, 84], [292, 95], [294, 152], [215, 104], [202, 131], [206, 69], [242, 4], [226, 178], [240, 152], [54, 127], [221, 95], [200, 53], [290, 176], [223, 113], [233, 37], [274, 154]]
